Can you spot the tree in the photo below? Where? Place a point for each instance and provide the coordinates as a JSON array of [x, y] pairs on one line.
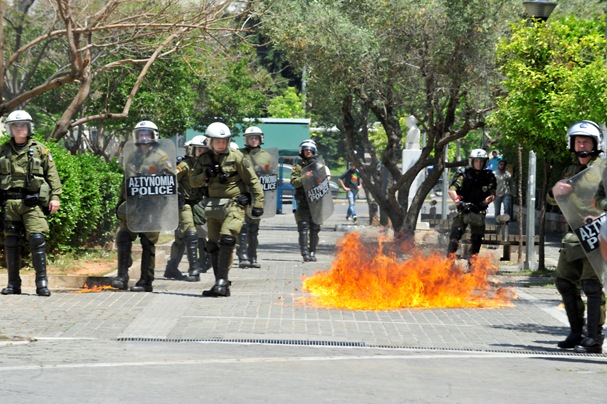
[[554, 75], [61, 43], [387, 60]]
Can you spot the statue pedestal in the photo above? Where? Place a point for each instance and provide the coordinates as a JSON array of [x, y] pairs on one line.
[[410, 157]]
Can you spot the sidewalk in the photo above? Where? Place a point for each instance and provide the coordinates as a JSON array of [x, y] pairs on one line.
[[264, 305], [174, 336]]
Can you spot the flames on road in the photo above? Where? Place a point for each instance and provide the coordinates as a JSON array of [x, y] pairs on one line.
[[371, 276], [94, 289]]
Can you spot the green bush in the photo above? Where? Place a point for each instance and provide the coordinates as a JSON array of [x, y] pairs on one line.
[[90, 193]]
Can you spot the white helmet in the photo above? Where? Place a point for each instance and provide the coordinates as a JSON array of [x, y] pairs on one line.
[[19, 116], [307, 145], [148, 128], [253, 131], [584, 128], [199, 141], [218, 130], [479, 154]]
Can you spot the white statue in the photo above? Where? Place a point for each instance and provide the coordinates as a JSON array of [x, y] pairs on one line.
[[412, 139]]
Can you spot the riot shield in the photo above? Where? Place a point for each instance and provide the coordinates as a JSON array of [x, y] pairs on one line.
[[575, 198], [318, 192], [265, 163], [151, 186]]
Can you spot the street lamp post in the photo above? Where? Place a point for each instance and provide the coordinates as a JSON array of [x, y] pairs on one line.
[[540, 10]]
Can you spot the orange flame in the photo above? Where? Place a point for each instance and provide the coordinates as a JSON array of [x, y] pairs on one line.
[[95, 288], [368, 276]]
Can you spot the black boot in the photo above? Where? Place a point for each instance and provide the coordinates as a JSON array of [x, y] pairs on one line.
[[253, 243], [574, 308], [12, 250], [148, 256], [191, 248], [243, 258], [123, 245], [38, 249], [177, 249], [303, 228], [203, 256], [593, 343], [213, 251], [314, 230], [224, 258]]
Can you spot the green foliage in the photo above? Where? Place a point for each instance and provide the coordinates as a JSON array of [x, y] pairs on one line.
[[236, 90], [554, 76], [90, 192], [287, 105]]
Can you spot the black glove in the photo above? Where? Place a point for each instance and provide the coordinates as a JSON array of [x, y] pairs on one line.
[[468, 207], [465, 207], [257, 212], [212, 171], [243, 199]]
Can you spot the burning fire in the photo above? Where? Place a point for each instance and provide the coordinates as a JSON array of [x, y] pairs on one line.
[[370, 277], [96, 288]]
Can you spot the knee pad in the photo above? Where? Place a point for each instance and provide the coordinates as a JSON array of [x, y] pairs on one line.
[[13, 227], [36, 240], [253, 228], [592, 287], [456, 233], [315, 228], [12, 241], [303, 225], [190, 236], [227, 240], [565, 287]]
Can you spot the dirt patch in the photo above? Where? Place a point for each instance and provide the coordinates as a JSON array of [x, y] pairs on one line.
[[96, 267]]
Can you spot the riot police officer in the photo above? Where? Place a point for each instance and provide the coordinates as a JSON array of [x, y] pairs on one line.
[[472, 190], [227, 178], [148, 159], [29, 188], [261, 162], [307, 228], [186, 235], [574, 270]]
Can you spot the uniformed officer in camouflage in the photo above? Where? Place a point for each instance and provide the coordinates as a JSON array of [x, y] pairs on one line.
[[186, 235], [574, 271], [228, 178], [248, 237], [472, 191], [148, 159], [306, 227], [29, 188]]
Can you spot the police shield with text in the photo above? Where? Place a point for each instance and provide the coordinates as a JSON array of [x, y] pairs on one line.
[[147, 203], [310, 180], [151, 185], [318, 191], [265, 165]]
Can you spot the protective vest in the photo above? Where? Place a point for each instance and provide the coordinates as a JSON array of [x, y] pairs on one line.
[[23, 167], [474, 186]]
